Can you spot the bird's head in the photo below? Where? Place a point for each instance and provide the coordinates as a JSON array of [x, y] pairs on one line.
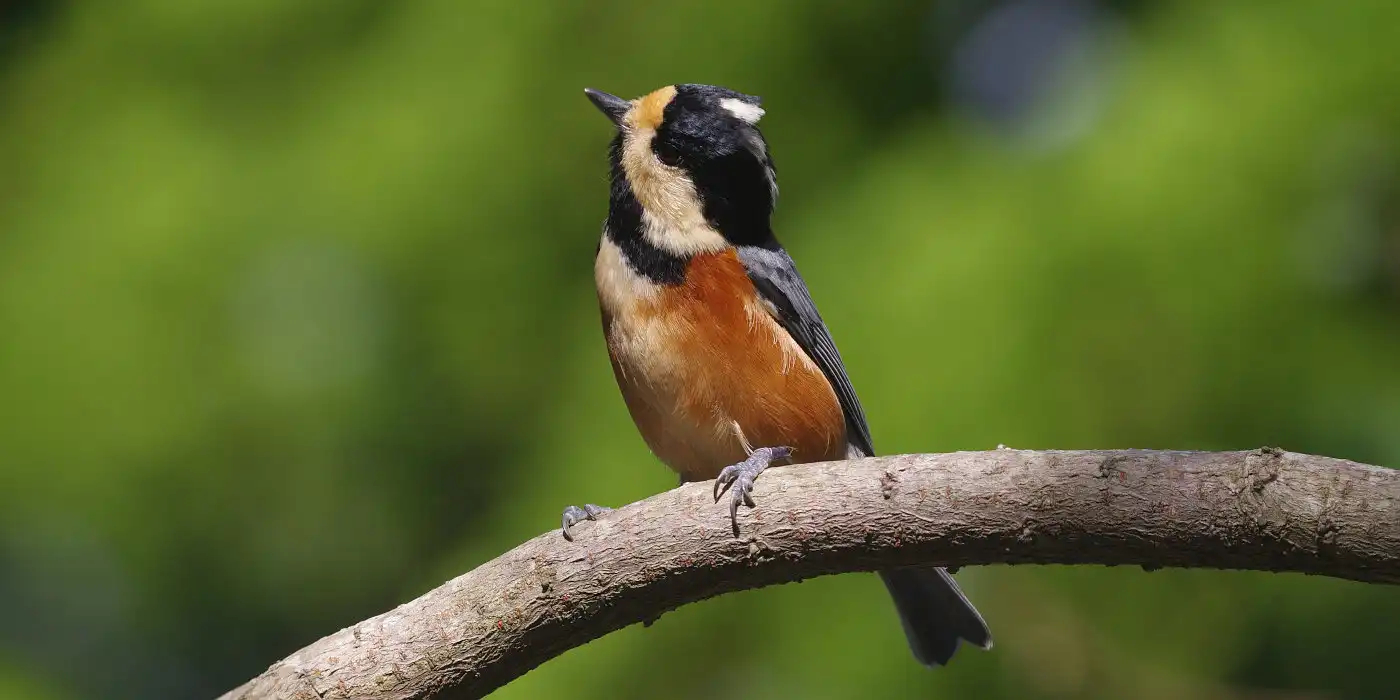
[[695, 161]]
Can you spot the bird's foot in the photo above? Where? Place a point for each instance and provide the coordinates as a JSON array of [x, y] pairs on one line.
[[740, 477], [574, 515]]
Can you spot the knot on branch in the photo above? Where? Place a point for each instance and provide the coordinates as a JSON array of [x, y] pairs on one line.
[[1265, 509]]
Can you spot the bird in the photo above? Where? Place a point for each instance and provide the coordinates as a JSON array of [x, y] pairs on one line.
[[722, 359]]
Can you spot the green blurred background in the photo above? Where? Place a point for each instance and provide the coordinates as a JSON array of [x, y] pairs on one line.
[[297, 319]]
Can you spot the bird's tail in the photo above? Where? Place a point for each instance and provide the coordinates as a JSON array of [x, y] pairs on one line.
[[935, 613]]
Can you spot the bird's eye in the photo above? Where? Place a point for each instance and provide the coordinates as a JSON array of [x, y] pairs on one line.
[[666, 152]]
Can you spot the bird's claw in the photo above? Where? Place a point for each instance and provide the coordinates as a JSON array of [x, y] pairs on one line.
[[574, 515], [739, 478]]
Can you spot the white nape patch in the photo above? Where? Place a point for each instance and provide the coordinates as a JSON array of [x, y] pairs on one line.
[[760, 151], [619, 286], [750, 113], [772, 178]]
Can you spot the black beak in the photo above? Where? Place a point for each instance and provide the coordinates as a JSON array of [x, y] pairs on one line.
[[612, 106]]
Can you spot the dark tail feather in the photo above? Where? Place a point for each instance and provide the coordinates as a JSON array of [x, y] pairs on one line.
[[935, 613]]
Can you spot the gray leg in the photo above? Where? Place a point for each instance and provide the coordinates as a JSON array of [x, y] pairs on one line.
[[574, 515], [741, 477]]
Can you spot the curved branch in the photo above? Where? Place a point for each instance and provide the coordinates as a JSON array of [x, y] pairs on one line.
[[1267, 510]]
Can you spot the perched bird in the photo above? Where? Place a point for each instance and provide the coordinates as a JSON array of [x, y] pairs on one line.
[[714, 339]]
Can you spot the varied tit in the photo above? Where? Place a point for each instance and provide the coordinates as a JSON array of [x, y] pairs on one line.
[[722, 358]]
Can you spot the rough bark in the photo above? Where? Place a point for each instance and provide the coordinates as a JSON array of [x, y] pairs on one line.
[[1266, 510]]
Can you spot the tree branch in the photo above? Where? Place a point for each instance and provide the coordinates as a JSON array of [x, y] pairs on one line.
[[1266, 510]]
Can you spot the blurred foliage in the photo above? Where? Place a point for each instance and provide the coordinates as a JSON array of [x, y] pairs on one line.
[[297, 321]]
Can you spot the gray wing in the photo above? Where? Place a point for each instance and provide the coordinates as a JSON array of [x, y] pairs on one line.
[[775, 275]]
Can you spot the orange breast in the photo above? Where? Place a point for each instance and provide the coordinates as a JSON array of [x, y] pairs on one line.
[[702, 363]]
